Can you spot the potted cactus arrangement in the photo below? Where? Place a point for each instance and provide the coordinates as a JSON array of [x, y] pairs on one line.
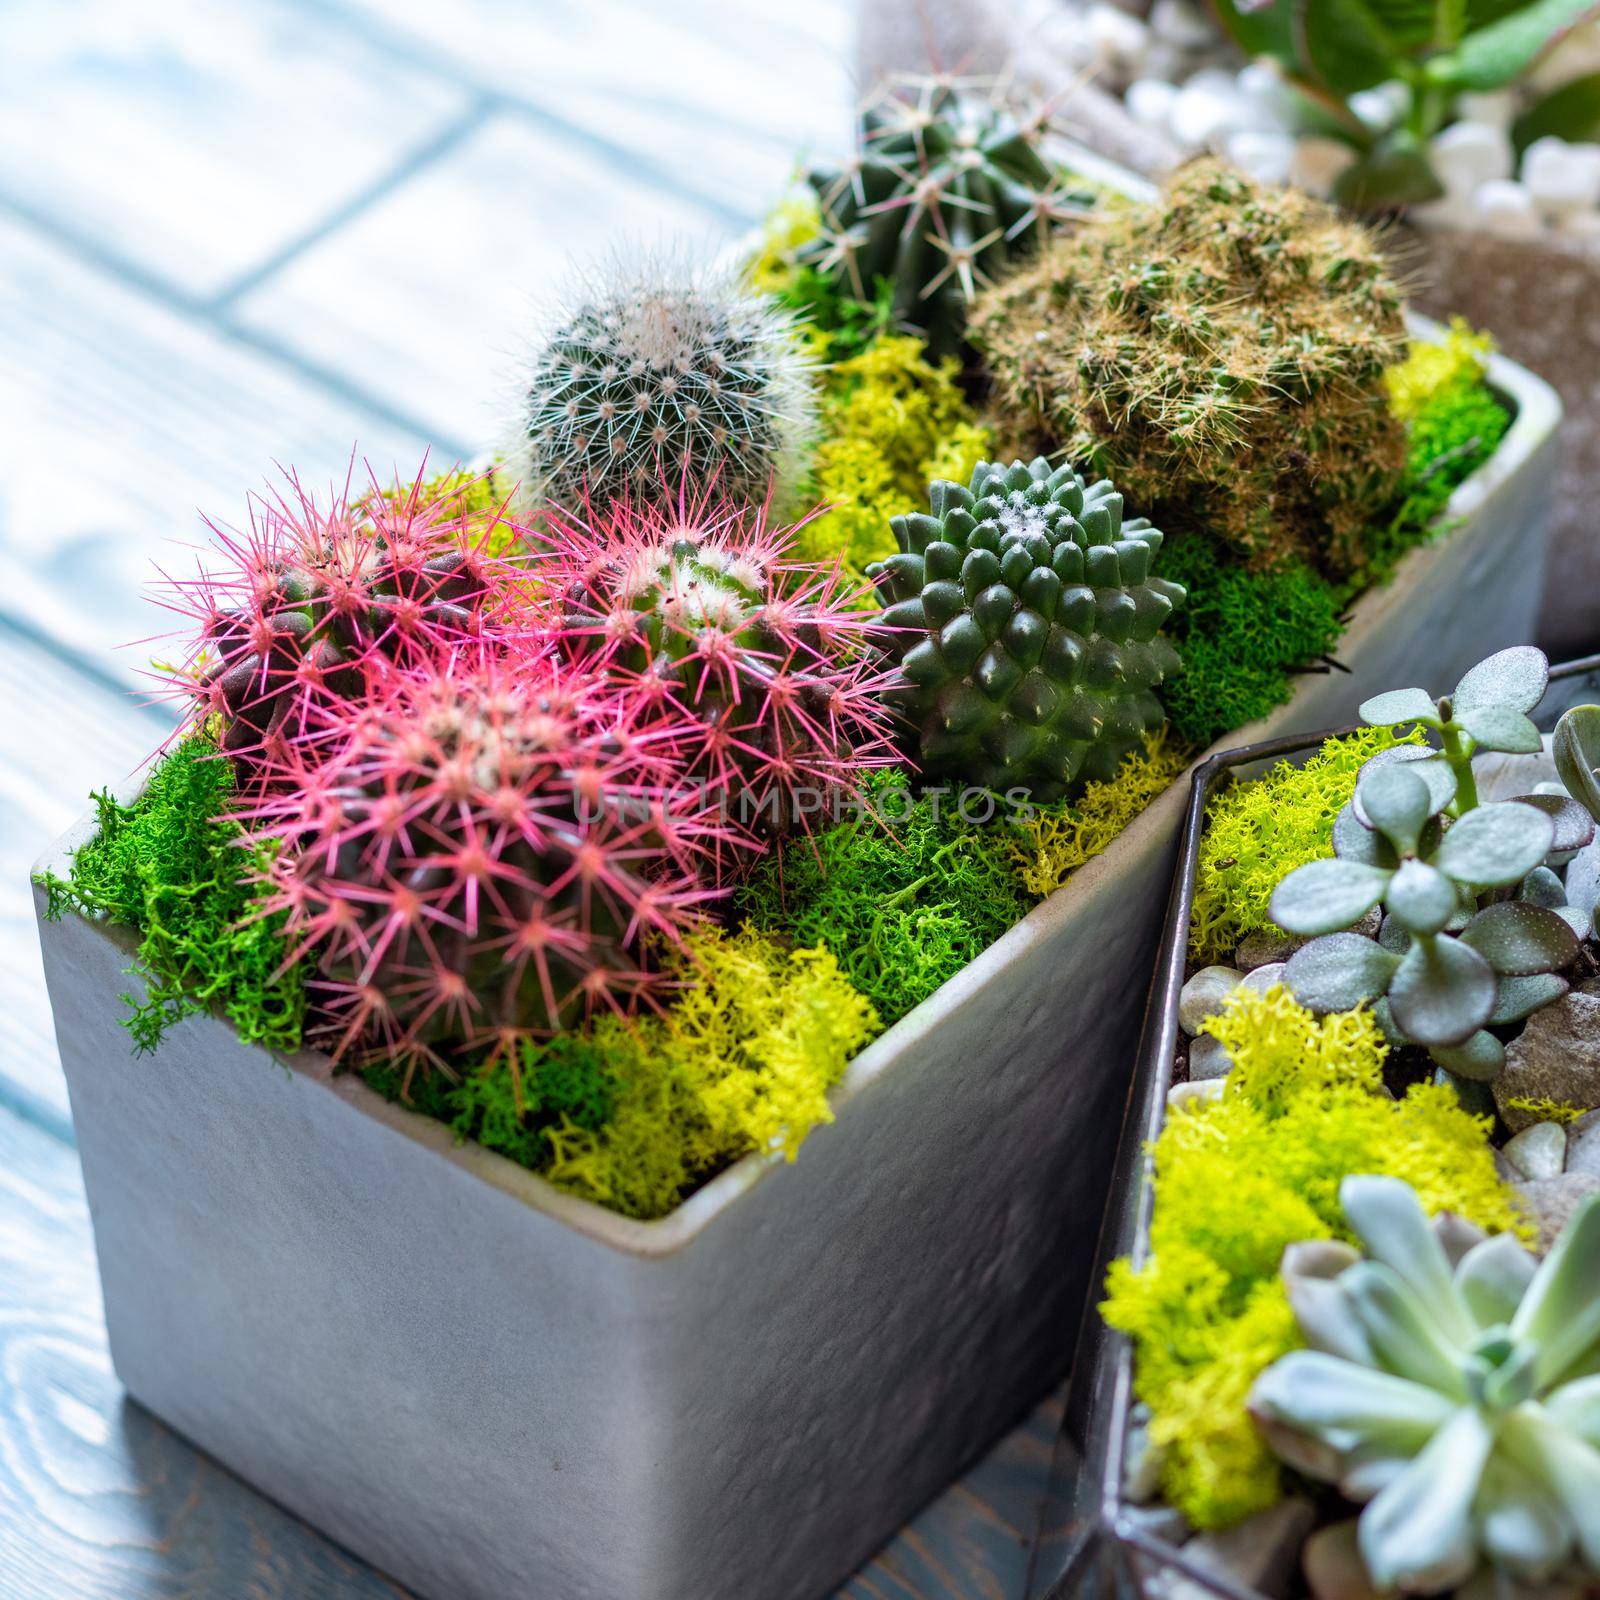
[[1313, 1387], [598, 926]]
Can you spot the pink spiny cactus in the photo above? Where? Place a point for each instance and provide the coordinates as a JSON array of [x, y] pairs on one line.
[[754, 668], [307, 603], [476, 852]]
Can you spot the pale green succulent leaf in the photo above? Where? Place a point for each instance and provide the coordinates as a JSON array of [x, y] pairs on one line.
[[1498, 54], [1399, 706], [1420, 898], [1402, 1329], [1425, 763], [1501, 728], [1326, 895], [1339, 972], [1574, 826], [1518, 939], [1479, 1058], [1576, 748], [1575, 1407], [1561, 1310], [1523, 1532], [1390, 1222], [1332, 1399], [1395, 800], [1354, 841], [1514, 678], [1495, 845], [1493, 1277], [1418, 1534], [1542, 888], [1442, 992], [1521, 997], [1568, 1468]]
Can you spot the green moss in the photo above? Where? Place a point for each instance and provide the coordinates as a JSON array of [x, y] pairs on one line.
[[904, 895], [172, 867], [1258, 832], [892, 421], [1237, 1181]]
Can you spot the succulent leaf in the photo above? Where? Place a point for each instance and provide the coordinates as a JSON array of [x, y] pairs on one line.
[[1325, 896], [1424, 762], [1495, 845], [1519, 939], [1339, 972], [1398, 706], [1576, 747], [1420, 898], [1513, 680], [1397, 802], [1442, 992], [1500, 728]]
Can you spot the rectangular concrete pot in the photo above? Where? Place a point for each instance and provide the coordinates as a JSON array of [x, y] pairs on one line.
[[488, 1388], [1095, 1542]]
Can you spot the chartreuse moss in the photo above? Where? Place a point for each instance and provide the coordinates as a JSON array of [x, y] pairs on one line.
[[172, 866], [1431, 368], [1051, 844], [1544, 1109], [905, 894], [742, 1061], [892, 422], [1240, 1178], [1258, 832]]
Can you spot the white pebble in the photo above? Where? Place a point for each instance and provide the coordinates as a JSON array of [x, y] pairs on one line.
[[1188, 1096], [1204, 112], [1266, 157], [1203, 996], [1496, 107], [1539, 1151], [1468, 155], [1318, 163], [1584, 225], [1150, 101], [1117, 38], [1208, 1059], [1453, 211], [1504, 207], [1262, 85], [1262, 978], [1382, 107], [1562, 177], [1180, 23]]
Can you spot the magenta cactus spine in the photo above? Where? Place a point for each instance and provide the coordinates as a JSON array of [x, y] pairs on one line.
[[476, 852], [303, 606], [754, 670]]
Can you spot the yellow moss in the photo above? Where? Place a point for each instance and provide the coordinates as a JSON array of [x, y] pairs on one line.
[[478, 497], [1239, 1179], [742, 1061], [1258, 832], [1459, 359], [1058, 839], [891, 422], [1543, 1109]]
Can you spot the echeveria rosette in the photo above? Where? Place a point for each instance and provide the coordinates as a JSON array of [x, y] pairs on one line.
[[1451, 1385]]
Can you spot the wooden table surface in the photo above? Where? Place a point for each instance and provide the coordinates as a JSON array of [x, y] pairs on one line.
[[274, 231]]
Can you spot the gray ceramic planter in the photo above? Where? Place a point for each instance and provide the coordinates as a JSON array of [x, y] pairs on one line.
[[488, 1388]]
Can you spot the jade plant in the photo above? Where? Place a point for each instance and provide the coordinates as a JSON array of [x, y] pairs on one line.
[[947, 190], [1475, 931], [1026, 623], [659, 375], [1219, 352], [1452, 1384], [1476, 928]]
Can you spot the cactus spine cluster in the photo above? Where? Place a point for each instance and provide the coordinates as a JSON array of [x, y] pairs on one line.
[[754, 669], [663, 375], [1220, 354], [947, 190], [1027, 628]]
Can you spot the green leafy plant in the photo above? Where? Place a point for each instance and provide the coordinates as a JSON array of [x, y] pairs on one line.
[[1238, 1180], [172, 866], [1219, 352], [1026, 623], [1433, 53], [947, 189], [1453, 1384], [1457, 954]]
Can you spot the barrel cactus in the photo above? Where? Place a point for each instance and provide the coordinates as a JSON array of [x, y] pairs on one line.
[[657, 375], [1451, 1385], [1220, 353], [1026, 624], [947, 190]]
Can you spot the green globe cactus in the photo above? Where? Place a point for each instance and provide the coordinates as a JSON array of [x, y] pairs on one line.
[[947, 190], [1220, 353], [1027, 629], [661, 376], [1451, 1386]]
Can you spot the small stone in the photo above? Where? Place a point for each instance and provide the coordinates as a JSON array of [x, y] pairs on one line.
[[1583, 1145], [1265, 947], [1318, 163], [1580, 225], [1150, 101], [1262, 86], [1562, 177], [1381, 108], [1208, 1059], [1262, 978], [1468, 155], [1180, 23], [1141, 1466], [1551, 1201], [1261, 1554], [1555, 1057], [1538, 1152], [1504, 207], [1266, 155], [1333, 1566], [1194, 1094], [1116, 38], [1203, 995], [1495, 107], [1203, 112]]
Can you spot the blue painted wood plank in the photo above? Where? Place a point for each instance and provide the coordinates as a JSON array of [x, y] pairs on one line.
[[99, 1501], [194, 138], [432, 295]]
